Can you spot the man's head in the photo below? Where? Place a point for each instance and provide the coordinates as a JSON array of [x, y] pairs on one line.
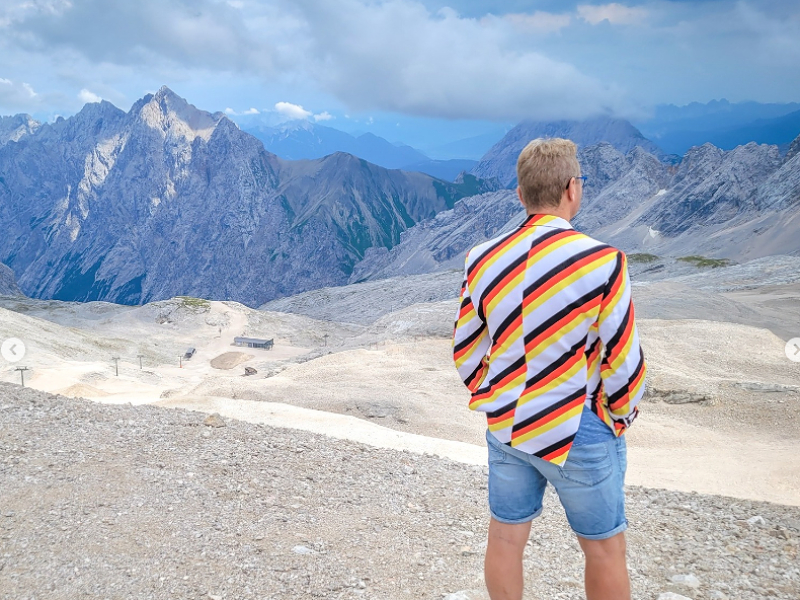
[[546, 171]]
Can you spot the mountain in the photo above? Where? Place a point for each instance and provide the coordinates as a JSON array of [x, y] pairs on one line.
[[305, 140], [778, 130], [741, 204], [442, 169], [500, 162], [168, 199], [13, 128], [8, 283]]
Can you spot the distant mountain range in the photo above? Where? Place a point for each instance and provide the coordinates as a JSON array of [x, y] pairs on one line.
[[726, 125], [168, 199], [500, 162], [740, 204], [302, 139]]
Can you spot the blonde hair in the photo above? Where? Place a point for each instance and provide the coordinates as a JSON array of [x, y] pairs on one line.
[[544, 169]]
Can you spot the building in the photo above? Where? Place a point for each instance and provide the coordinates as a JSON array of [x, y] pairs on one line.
[[253, 342]]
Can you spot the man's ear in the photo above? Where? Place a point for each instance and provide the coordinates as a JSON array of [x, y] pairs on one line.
[[519, 195]]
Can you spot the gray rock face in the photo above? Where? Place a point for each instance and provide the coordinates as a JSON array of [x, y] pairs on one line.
[[794, 149], [169, 200], [13, 128], [500, 162], [442, 242], [8, 284]]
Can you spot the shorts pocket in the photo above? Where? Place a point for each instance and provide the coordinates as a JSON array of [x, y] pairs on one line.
[[496, 454], [588, 465]]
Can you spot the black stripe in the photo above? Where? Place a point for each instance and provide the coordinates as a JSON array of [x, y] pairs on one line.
[[593, 347], [557, 446], [466, 299], [561, 267], [561, 360], [563, 313], [508, 321], [496, 281], [520, 362], [471, 338], [615, 274], [627, 387], [488, 251], [612, 343], [501, 411], [543, 413], [474, 374]]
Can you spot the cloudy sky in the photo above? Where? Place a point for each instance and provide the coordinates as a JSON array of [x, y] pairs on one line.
[[399, 60]]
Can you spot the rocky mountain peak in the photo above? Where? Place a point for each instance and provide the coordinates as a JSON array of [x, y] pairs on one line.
[[794, 149], [14, 127], [168, 113]]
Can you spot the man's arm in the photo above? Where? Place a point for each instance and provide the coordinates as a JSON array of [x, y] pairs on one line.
[[471, 342], [623, 367]]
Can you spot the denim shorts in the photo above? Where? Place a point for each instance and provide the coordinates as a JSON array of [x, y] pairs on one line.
[[590, 485]]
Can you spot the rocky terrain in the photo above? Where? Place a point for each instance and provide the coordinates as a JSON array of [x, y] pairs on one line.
[[8, 283], [167, 199], [139, 501]]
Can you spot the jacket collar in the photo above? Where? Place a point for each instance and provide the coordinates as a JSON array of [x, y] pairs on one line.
[[539, 220]]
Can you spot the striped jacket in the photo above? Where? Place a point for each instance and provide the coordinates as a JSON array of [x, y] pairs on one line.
[[546, 326]]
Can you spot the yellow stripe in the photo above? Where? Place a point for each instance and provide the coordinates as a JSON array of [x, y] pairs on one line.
[[615, 299], [502, 424], [582, 272], [547, 342], [479, 273], [509, 341], [548, 426], [498, 391], [510, 287], [564, 377], [623, 354]]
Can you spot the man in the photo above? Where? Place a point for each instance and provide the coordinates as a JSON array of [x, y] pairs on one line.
[[545, 340]]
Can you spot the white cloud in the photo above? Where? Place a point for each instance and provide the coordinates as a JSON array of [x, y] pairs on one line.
[[616, 14], [323, 116], [291, 111], [29, 88], [539, 21], [230, 111], [88, 97], [251, 111], [5, 81]]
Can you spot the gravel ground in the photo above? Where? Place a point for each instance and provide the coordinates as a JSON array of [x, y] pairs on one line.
[[107, 501]]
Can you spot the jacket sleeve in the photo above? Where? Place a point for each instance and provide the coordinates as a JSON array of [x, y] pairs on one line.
[[623, 368], [471, 342]]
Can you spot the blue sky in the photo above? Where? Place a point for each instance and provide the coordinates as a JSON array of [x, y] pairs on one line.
[[466, 65]]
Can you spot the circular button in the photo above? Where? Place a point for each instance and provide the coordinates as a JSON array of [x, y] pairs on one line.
[[793, 349], [13, 350]]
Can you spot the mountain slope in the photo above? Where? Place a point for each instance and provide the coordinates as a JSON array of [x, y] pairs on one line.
[[13, 128], [8, 283], [305, 140], [167, 199], [500, 162]]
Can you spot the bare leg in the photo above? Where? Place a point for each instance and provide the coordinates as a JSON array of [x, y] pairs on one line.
[[503, 565], [606, 570]]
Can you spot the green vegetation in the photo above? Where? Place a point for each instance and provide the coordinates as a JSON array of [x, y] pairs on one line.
[[702, 261], [642, 257], [189, 302]]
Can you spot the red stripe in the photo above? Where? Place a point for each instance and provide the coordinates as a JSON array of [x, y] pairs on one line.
[[564, 274], [623, 340], [514, 326], [556, 453], [506, 415], [560, 323], [510, 377], [614, 290], [510, 240], [555, 374], [486, 300], [549, 417]]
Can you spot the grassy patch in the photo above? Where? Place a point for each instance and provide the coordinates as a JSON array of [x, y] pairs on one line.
[[702, 261], [642, 258], [189, 302]]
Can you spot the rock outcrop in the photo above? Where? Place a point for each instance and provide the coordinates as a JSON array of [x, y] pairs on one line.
[[8, 284]]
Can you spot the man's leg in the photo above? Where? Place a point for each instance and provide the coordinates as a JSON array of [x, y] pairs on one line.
[[503, 565], [606, 569]]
